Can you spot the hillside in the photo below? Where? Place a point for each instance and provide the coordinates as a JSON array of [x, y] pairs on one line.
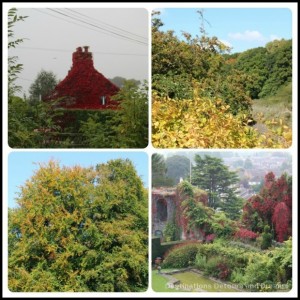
[[204, 97]]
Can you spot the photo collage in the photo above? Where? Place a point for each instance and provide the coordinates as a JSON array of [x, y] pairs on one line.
[[150, 150]]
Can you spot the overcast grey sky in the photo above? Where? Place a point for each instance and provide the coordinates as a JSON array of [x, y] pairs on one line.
[[118, 39]]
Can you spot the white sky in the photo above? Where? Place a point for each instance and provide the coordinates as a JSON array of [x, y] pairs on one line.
[[51, 39]]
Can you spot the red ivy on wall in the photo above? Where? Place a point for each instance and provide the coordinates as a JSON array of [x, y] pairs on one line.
[[84, 87]]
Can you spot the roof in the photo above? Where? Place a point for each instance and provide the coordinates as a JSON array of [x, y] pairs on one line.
[[84, 87]]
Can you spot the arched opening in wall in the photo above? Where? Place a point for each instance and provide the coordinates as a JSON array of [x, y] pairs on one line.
[[162, 210]]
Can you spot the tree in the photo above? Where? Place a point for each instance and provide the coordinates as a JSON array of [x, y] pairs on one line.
[[272, 206], [159, 171], [177, 167], [266, 238], [80, 229], [131, 120], [211, 175], [248, 164], [120, 81], [13, 67], [282, 217], [44, 83]]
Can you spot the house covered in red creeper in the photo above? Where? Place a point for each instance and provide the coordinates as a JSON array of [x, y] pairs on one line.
[[84, 87]]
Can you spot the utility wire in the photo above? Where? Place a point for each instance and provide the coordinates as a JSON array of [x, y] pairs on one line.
[[43, 12], [106, 24], [64, 50], [98, 27]]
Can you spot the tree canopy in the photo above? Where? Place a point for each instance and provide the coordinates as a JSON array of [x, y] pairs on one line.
[[159, 171], [43, 84], [80, 229], [178, 166], [272, 207], [211, 175]]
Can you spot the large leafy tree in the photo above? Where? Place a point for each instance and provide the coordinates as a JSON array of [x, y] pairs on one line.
[[43, 84], [272, 206], [211, 175], [80, 229]]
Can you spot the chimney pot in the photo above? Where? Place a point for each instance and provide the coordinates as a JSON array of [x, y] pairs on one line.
[[86, 49]]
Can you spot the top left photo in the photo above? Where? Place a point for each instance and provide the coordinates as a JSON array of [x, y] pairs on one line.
[[78, 78]]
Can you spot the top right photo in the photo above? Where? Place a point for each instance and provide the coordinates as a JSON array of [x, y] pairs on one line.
[[222, 78]]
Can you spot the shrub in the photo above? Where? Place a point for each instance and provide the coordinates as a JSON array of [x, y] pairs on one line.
[[171, 232], [200, 261], [211, 267], [181, 256], [210, 238], [199, 123], [224, 271], [257, 273], [237, 276], [245, 235]]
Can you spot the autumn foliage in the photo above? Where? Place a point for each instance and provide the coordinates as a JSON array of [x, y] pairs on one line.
[[245, 234], [84, 86], [199, 123], [80, 229], [272, 206]]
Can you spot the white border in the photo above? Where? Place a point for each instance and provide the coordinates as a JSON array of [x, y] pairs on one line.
[[150, 150]]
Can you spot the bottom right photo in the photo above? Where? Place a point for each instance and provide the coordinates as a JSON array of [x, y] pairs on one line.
[[221, 221]]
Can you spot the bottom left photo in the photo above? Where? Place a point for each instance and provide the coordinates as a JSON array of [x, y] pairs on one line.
[[78, 222]]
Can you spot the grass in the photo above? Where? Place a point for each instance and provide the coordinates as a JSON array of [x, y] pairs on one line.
[[273, 115], [159, 283], [193, 280], [276, 107], [189, 281]]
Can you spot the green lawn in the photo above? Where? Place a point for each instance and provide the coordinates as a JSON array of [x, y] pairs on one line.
[[189, 282], [159, 283], [194, 281]]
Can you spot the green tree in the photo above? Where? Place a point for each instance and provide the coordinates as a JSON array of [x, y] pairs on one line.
[[80, 229], [96, 130], [177, 167], [266, 238], [131, 120], [159, 171], [14, 68], [43, 84], [120, 81], [211, 175]]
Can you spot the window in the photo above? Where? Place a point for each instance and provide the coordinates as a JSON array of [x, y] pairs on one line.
[[102, 100]]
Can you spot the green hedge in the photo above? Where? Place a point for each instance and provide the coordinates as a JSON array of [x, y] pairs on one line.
[[182, 255]]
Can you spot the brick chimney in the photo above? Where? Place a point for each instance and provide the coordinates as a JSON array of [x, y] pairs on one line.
[[82, 57]]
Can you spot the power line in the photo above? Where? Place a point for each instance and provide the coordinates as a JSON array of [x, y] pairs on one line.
[[81, 25], [43, 12], [106, 24], [103, 30], [64, 50]]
